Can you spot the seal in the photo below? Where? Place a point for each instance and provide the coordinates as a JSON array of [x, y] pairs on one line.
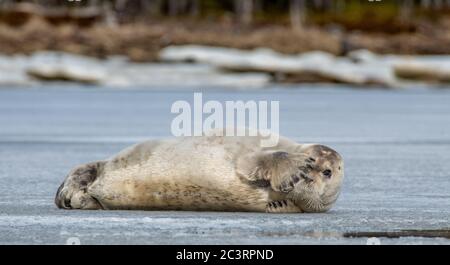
[[209, 173]]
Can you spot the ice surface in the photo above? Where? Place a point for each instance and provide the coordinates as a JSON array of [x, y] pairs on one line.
[[395, 144]]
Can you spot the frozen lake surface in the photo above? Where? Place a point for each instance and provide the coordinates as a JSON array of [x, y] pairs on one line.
[[396, 145]]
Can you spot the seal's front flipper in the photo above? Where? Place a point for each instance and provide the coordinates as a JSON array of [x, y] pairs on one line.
[[282, 169], [282, 206], [259, 165]]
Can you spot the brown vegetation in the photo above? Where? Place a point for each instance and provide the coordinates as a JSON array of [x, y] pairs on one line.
[[142, 42], [97, 30]]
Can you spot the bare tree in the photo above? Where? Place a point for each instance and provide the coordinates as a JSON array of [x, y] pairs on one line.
[[337, 5], [425, 3], [406, 8], [151, 7], [176, 7], [244, 11], [437, 4], [296, 10], [318, 3], [109, 16], [173, 6], [194, 8]]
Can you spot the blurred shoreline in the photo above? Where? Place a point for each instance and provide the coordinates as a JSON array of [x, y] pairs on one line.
[[141, 42], [244, 44], [194, 66], [140, 29]]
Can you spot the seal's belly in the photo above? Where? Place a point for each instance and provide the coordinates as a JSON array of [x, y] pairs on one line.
[[163, 185], [181, 175]]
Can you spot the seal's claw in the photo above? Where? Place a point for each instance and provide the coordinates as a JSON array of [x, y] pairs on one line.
[[287, 185], [282, 206], [310, 160]]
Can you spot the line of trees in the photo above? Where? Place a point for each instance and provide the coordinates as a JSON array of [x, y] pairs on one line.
[[244, 11]]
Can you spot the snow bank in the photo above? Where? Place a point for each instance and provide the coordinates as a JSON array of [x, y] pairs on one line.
[[117, 72], [435, 70], [202, 66], [359, 68]]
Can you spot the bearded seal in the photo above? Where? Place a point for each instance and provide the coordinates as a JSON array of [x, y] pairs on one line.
[[209, 173]]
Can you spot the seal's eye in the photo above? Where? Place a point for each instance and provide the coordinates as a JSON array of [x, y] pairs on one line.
[[327, 173]]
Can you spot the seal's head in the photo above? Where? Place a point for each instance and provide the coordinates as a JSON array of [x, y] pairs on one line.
[[320, 180]]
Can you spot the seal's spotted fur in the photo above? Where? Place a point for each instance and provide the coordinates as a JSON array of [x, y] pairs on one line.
[[210, 173]]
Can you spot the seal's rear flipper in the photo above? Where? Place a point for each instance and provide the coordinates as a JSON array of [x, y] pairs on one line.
[[72, 194]]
